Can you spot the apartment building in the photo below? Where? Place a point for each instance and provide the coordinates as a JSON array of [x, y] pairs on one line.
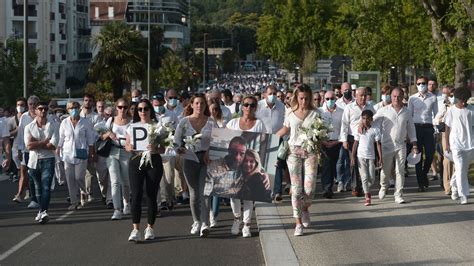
[[58, 29]]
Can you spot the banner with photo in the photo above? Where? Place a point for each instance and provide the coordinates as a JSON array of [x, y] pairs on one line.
[[242, 165]]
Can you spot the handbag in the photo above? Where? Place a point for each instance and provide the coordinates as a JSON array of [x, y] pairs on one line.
[[103, 147], [283, 150]]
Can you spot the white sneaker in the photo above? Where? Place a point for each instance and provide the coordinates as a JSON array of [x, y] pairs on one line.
[[90, 198], [246, 231], [17, 199], [212, 220], [44, 217], [27, 195], [340, 187], [135, 236], [204, 230], [38, 216], [399, 200], [236, 227], [463, 200], [195, 228], [33, 205], [299, 230], [149, 233], [454, 195], [126, 209], [117, 215], [305, 219], [382, 194]]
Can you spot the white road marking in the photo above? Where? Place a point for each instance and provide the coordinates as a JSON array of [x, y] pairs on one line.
[[64, 216], [19, 245]]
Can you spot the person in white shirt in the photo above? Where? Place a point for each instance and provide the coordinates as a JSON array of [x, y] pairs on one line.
[[227, 99], [172, 103], [5, 140], [103, 114], [396, 126], [216, 95], [41, 139], [332, 115], [13, 128], [364, 148], [346, 98], [76, 146], [459, 136], [23, 152], [248, 122], [386, 98], [423, 106], [349, 126], [169, 119], [299, 160]]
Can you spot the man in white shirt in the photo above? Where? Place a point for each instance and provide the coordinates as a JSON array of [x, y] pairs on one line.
[[423, 106], [41, 139], [396, 126], [350, 125], [332, 115], [272, 113], [172, 103], [346, 98], [5, 138], [459, 137], [227, 99]]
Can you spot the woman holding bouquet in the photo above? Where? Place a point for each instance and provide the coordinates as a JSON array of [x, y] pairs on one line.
[[300, 161], [196, 126], [144, 166], [248, 122], [117, 162]]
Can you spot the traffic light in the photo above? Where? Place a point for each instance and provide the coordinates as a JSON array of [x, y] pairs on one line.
[[393, 76]]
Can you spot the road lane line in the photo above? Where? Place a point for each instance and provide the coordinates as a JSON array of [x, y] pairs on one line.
[[64, 216], [19, 245]]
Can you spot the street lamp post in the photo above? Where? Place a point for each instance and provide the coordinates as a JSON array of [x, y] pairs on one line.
[[25, 48], [204, 62], [148, 56]]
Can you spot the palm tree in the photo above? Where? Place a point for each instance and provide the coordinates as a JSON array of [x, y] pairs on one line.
[[121, 56]]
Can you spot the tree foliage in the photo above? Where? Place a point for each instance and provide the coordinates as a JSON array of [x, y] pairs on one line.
[[11, 79], [174, 73]]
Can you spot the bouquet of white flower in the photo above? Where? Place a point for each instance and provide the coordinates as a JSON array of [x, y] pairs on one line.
[[314, 134], [157, 137], [190, 142]]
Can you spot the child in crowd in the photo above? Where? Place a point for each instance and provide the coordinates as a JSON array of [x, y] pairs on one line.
[[364, 149]]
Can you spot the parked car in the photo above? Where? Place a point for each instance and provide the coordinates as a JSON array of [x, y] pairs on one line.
[[249, 67]]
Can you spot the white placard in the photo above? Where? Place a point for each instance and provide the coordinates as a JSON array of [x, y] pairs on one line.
[[139, 137]]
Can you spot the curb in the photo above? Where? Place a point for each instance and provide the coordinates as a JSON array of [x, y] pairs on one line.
[[276, 246]]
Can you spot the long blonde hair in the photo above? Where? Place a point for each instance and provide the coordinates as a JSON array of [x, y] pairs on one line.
[[258, 163], [294, 101]]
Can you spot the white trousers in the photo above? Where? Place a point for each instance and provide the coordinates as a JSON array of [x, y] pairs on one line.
[[103, 178], [75, 178], [393, 162], [167, 182], [237, 209], [459, 182], [117, 164]]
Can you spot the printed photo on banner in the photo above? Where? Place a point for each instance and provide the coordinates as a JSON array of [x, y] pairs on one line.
[[242, 165]]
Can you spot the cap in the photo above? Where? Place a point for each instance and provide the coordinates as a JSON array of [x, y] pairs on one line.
[[158, 96]]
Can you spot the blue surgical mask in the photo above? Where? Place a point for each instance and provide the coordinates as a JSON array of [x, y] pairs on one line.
[[331, 103], [159, 109], [173, 102], [74, 112], [271, 99], [421, 88]]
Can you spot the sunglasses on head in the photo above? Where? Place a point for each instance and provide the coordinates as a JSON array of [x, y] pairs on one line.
[[421, 83], [252, 105], [122, 107], [144, 109]]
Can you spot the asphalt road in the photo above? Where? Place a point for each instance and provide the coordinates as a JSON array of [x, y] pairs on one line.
[[89, 237]]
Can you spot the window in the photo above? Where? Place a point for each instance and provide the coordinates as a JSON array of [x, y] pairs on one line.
[[96, 12], [111, 12]]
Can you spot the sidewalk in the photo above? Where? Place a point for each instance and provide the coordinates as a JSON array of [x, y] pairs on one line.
[[429, 229]]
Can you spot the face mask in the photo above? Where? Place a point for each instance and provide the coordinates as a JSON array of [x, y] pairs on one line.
[[159, 109], [421, 88], [74, 112], [452, 100], [20, 109], [271, 99], [135, 99], [348, 95], [386, 98], [369, 102], [173, 102], [331, 103]]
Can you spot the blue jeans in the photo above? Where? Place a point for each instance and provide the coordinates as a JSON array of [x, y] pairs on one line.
[[43, 176], [215, 205], [329, 167], [343, 167]]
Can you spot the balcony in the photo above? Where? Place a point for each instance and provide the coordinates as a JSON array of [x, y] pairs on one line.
[[82, 8], [84, 56], [52, 58], [52, 37], [52, 16], [84, 32]]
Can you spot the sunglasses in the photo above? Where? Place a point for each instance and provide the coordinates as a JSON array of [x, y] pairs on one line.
[[252, 105], [421, 83], [327, 99], [122, 107], [144, 109], [172, 98], [41, 109]]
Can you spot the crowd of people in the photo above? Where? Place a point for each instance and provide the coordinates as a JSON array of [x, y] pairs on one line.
[[49, 146]]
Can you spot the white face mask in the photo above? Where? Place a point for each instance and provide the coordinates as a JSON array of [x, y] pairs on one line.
[[386, 98], [135, 99], [421, 88], [20, 109], [271, 99]]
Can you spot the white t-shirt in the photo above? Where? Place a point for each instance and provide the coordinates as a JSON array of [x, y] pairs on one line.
[[461, 124], [4, 128], [366, 149], [24, 120], [294, 123], [120, 131], [258, 127], [50, 130]]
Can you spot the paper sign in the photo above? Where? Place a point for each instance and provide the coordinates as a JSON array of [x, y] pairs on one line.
[[139, 138]]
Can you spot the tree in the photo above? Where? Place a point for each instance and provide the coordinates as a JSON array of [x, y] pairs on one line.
[[121, 57], [452, 29], [11, 79], [174, 73]]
